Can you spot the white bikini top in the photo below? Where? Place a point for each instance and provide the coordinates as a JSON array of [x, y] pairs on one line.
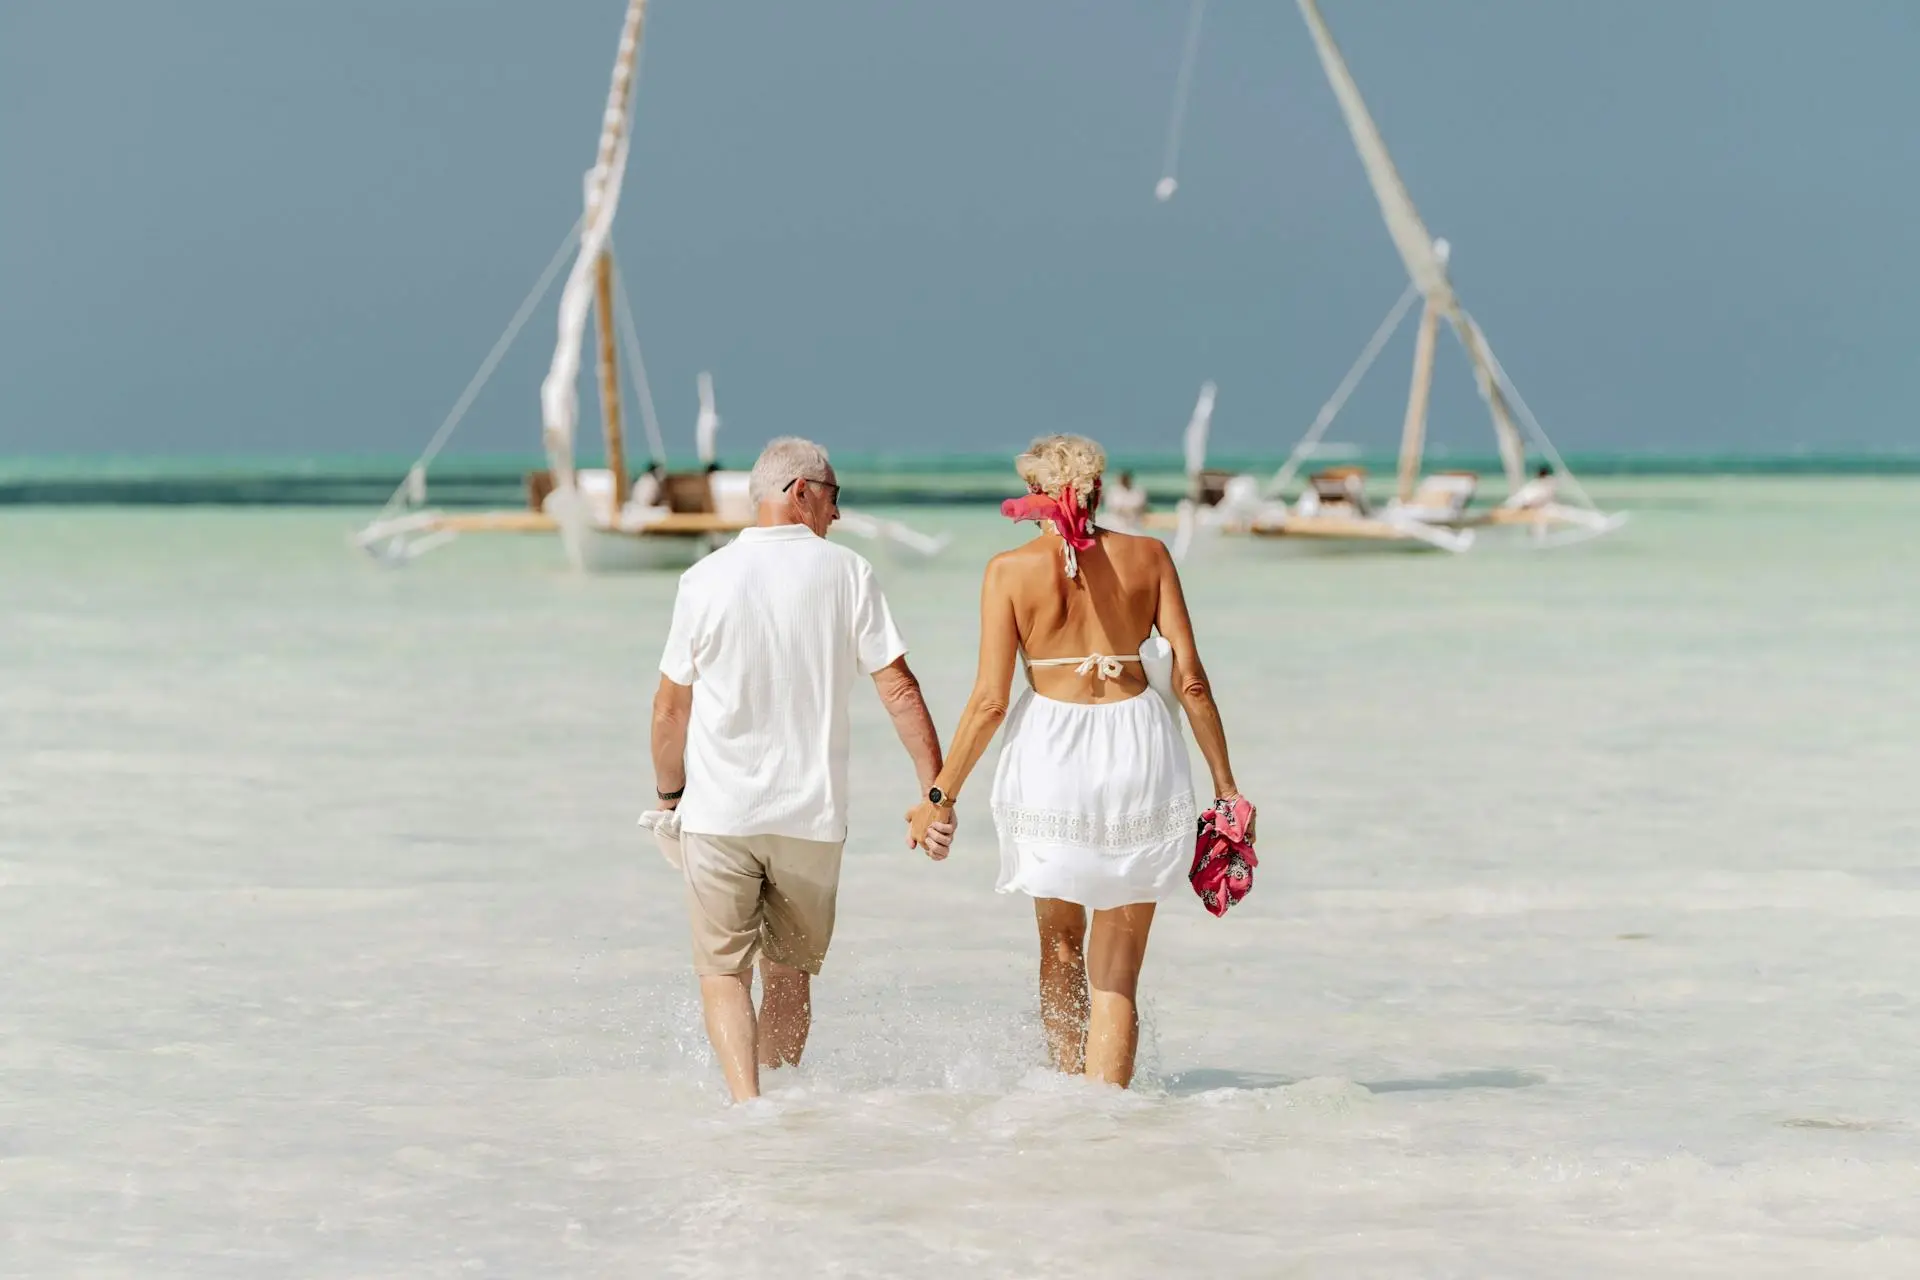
[[1155, 659], [1107, 664]]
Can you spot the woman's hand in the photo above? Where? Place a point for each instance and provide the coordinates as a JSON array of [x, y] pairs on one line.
[[1253, 813], [931, 827]]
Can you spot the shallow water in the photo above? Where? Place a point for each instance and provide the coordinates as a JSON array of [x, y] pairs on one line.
[[1583, 941]]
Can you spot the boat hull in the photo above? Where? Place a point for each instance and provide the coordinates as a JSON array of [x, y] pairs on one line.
[[596, 550], [1360, 535]]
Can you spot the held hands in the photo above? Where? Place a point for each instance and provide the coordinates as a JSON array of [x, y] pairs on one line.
[[931, 827]]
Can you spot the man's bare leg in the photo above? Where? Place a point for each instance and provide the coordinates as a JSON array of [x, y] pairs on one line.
[[727, 1002], [1118, 946], [786, 1014], [1063, 981]]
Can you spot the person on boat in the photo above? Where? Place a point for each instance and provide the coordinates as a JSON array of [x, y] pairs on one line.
[[1092, 798], [649, 491], [1126, 506], [750, 747], [1536, 494], [1540, 498]]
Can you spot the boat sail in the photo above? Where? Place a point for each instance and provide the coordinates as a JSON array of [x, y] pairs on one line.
[[1425, 259], [591, 280], [605, 534], [604, 524], [590, 508], [1432, 511]]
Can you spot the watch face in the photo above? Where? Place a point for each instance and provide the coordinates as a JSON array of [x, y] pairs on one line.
[[935, 795]]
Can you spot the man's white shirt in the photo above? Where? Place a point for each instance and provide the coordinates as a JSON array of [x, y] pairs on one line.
[[772, 631]]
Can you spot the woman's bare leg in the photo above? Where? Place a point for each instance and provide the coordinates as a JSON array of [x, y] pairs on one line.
[[1118, 946], [1063, 981]]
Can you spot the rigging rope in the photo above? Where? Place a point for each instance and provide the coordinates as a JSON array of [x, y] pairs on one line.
[[1527, 419], [406, 487], [1183, 86], [1338, 400], [630, 338]]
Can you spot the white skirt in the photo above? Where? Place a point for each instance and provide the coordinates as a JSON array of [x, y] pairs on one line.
[[1093, 801]]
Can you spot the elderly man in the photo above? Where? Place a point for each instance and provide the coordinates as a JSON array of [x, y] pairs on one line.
[[750, 723]]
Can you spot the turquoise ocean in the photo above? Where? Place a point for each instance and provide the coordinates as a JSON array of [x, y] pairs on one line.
[[487, 480], [1582, 941]]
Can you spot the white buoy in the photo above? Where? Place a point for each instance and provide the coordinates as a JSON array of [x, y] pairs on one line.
[[1163, 190]]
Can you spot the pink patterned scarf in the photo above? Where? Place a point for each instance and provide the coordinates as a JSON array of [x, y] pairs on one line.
[[1223, 859]]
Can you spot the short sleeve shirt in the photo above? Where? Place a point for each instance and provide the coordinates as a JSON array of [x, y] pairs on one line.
[[773, 631]]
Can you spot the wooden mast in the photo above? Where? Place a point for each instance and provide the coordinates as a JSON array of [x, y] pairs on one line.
[[610, 381], [1413, 436]]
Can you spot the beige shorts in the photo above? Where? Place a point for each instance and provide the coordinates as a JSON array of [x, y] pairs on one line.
[[753, 896]]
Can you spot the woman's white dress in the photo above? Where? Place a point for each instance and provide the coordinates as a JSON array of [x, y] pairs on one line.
[[1093, 802]]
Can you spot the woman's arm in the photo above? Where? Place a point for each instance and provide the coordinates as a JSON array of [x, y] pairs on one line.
[[1190, 678], [987, 706]]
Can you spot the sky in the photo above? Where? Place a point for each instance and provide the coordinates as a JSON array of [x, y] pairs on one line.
[[262, 227]]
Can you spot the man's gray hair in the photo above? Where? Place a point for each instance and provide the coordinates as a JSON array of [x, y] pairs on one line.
[[784, 460]]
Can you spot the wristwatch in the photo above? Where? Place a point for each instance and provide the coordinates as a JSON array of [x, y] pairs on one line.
[[936, 796]]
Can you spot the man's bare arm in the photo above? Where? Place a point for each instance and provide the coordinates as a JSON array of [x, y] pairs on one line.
[[672, 709], [900, 694]]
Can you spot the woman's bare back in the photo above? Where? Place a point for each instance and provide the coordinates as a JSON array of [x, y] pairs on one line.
[[1108, 609]]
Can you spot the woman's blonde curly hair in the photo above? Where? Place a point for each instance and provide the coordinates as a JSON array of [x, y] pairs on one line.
[[1053, 463]]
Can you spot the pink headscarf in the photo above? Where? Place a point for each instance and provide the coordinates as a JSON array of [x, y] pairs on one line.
[[1072, 520]]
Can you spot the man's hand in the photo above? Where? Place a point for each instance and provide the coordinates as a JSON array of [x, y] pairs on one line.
[[931, 827]]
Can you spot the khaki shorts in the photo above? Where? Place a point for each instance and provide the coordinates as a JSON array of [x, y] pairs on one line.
[[753, 896]]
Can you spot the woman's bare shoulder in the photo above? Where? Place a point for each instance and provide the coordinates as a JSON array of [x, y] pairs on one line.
[[1012, 564], [1142, 548], [1033, 551]]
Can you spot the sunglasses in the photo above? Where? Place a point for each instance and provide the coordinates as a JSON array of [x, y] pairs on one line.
[[788, 486]]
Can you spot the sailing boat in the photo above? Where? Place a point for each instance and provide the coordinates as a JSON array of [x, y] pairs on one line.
[[1427, 511], [674, 518], [590, 508]]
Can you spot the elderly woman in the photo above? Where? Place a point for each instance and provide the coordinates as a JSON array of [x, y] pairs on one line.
[[1092, 798]]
